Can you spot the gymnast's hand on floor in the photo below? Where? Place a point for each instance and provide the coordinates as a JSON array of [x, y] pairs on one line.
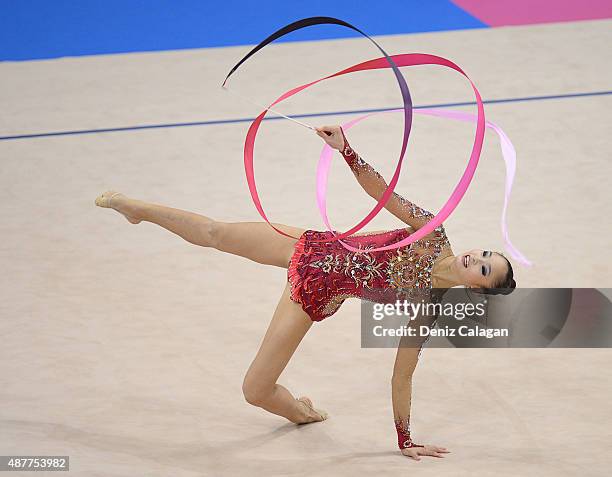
[[332, 135], [434, 451]]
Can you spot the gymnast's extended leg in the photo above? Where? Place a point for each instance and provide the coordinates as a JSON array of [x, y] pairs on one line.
[[256, 241]]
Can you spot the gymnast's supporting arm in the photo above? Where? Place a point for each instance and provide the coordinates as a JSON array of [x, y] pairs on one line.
[[372, 182], [406, 360], [401, 394]]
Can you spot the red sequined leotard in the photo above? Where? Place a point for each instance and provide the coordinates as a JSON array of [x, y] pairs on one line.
[[324, 274]]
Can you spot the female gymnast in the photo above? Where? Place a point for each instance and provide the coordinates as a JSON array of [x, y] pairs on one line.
[[321, 275]]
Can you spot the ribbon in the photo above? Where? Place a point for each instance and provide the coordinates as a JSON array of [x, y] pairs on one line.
[[252, 132], [508, 153], [411, 59], [379, 63]]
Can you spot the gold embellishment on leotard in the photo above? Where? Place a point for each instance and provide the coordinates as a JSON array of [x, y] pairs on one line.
[[410, 269], [334, 303], [403, 425], [357, 164], [360, 266], [415, 211]]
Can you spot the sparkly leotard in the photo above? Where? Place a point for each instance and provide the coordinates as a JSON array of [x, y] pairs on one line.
[[324, 274]]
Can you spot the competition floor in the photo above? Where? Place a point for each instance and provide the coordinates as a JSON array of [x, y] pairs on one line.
[[124, 347]]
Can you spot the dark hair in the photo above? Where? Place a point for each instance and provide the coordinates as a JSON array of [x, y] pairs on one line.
[[503, 287]]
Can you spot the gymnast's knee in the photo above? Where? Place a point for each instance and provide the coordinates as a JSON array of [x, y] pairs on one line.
[[214, 233], [255, 393]]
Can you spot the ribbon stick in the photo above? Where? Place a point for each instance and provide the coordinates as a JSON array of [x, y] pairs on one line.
[[508, 153], [271, 110]]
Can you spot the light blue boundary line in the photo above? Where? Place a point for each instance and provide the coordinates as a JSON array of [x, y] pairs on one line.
[[306, 115]]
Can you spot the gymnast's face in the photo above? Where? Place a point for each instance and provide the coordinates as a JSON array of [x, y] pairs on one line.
[[480, 268]]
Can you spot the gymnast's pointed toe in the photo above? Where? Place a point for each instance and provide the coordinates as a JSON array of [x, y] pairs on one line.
[[104, 199], [122, 204]]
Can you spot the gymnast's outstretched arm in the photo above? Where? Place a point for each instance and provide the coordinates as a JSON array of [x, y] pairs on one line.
[[372, 182]]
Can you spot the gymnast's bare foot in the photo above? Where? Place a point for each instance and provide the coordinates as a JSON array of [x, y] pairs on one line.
[[120, 203], [310, 413]]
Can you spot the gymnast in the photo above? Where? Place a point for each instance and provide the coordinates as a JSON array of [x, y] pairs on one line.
[[322, 275]]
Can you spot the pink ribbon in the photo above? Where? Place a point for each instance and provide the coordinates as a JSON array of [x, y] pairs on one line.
[[250, 141], [508, 153], [411, 59]]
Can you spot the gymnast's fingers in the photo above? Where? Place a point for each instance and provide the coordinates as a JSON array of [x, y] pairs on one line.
[[333, 129], [429, 452]]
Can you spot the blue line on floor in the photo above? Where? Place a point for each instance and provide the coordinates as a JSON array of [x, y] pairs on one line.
[[307, 115]]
